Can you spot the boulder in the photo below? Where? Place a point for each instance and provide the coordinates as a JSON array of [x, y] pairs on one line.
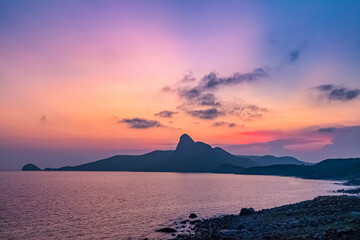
[[193, 215], [247, 211]]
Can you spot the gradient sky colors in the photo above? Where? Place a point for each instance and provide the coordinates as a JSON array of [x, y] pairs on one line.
[[81, 80]]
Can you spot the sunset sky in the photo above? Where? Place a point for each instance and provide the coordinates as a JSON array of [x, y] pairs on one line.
[[83, 80]]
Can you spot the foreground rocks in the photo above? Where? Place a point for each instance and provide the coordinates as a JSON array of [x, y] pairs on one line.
[[325, 217], [166, 230]]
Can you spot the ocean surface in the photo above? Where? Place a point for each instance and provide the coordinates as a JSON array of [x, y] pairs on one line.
[[129, 205]]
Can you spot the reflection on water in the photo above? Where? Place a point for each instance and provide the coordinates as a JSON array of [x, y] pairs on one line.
[[117, 205]]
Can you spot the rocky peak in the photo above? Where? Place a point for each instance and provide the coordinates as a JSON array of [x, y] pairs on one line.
[[185, 142]]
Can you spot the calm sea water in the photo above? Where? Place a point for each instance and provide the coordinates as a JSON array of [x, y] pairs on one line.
[[122, 205]]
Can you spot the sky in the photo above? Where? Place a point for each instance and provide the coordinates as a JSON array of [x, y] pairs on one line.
[[84, 80]]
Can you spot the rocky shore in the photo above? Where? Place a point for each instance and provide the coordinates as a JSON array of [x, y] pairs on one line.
[[325, 217]]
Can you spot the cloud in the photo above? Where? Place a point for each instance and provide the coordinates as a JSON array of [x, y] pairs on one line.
[[165, 114], [202, 93], [44, 119], [208, 100], [140, 123], [208, 114], [188, 77], [212, 81], [221, 124], [337, 92], [327, 130], [275, 147], [247, 112], [307, 144], [294, 54]]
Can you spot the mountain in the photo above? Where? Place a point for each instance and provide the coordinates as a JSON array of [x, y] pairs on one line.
[[268, 160], [189, 156], [327, 169]]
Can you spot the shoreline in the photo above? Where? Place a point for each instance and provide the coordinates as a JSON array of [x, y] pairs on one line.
[[324, 217]]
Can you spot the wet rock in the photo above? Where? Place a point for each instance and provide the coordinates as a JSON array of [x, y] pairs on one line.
[[194, 221], [228, 232], [166, 230], [294, 223], [354, 214], [247, 211], [193, 215], [241, 227]]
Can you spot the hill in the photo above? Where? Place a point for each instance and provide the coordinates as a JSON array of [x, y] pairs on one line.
[[327, 169], [268, 160], [189, 156]]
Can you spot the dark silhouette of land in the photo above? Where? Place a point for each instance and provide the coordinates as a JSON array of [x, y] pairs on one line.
[[268, 160], [191, 156], [327, 169], [30, 167]]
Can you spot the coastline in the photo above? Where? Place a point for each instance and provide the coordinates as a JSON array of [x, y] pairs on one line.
[[324, 217]]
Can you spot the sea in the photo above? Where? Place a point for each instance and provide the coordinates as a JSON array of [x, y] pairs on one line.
[[133, 205]]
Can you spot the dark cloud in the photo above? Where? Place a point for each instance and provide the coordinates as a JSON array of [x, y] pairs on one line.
[[337, 93], [202, 93], [212, 81], [248, 112], [208, 99], [221, 124], [327, 130], [207, 114], [165, 114], [140, 123]]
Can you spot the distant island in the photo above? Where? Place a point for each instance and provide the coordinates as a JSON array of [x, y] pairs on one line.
[[191, 156]]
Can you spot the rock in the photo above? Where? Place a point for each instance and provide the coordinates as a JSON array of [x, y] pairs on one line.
[[30, 167], [247, 211], [184, 222], [228, 232], [166, 230], [193, 215], [294, 223], [354, 214], [241, 227], [194, 221]]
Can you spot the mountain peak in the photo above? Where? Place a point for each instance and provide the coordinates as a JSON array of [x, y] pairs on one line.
[[185, 142]]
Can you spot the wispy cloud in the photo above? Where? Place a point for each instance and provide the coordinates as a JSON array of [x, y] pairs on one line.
[[140, 123], [337, 92], [208, 114], [223, 124], [327, 130], [165, 114], [294, 54]]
